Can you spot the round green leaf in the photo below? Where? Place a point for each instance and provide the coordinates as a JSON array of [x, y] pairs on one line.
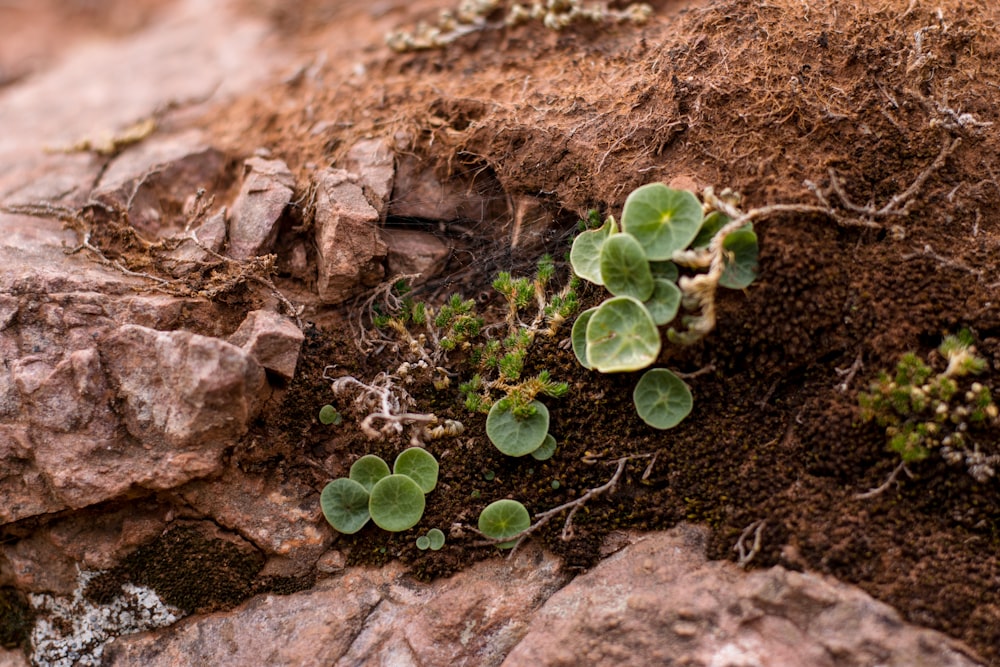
[[514, 436], [345, 505], [419, 465], [546, 450], [423, 542], [740, 259], [713, 222], [435, 538], [662, 399], [622, 336], [585, 255], [579, 337], [624, 267], [328, 416], [367, 470], [664, 270], [396, 503], [661, 219], [664, 302], [503, 519]]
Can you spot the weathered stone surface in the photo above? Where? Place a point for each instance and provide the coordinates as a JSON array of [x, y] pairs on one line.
[[12, 658], [366, 617], [418, 193], [272, 340], [280, 518], [253, 221], [348, 242], [374, 163], [181, 390], [50, 559], [159, 174], [656, 602], [660, 601], [208, 236], [412, 251]]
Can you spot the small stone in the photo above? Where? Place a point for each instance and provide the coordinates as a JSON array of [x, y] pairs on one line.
[[374, 163], [272, 340], [332, 561], [350, 248], [415, 252], [210, 235], [253, 222]]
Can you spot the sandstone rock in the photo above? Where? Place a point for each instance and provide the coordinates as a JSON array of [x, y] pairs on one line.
[[350, 249], [280, 518], [660, 601], [50, 559], [158, 175], [374, 163], [272, 340], [209, 235], [412, 251], [656, 602], [533, 223], [181, 390], [253, 222], [418, 193], [12, 658]]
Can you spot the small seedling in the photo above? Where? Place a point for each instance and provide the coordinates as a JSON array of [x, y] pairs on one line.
[[368, 470], [503, 519], [396, 503], [328, 416], [661, 228]]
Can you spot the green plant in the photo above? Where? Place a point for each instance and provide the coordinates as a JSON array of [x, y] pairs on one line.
[[923, 410], [328, 416], [662, 229], [433, 540], [517, 423], [393, 501], [503, 519], [546, 450]]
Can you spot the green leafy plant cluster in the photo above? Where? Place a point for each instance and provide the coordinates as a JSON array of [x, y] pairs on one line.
[[661, 231], [518, 423], [923, 410], [393, 500]]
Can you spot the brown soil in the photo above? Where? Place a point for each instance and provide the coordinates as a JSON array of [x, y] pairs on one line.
[[881, 95]]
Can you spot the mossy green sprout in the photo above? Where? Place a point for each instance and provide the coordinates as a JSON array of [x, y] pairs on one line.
[[328, 416], [661, 229], [433, 540], [394, 501], [925, 411]]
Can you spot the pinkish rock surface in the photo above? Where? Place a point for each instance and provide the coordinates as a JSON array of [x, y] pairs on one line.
[[415, 252], [348, 241], [658, 601], [272, 340], [253, 221]]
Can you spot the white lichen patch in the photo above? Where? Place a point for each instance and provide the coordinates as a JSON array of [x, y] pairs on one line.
[[72, 631]]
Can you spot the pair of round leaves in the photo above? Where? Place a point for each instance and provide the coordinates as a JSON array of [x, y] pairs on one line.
[[433, 540], [503, 519], [394, 501]]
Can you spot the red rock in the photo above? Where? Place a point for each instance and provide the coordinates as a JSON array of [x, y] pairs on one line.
[[350, 249]]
